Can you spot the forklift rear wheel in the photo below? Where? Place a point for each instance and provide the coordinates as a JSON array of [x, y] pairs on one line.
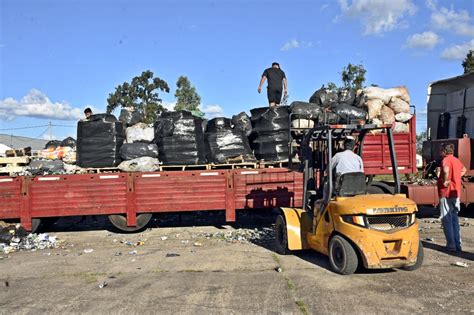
[[120, 222], [281, 236], [419, 259], [342, 256]]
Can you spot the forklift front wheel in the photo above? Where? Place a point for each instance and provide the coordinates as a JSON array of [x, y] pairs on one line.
[[281, 236], [120, 222], [342, 256], [419, 259]]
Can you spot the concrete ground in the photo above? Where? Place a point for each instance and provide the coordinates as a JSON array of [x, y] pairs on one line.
[[178, 269]]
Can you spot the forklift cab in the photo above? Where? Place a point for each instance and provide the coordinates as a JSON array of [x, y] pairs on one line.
[[319, 146]]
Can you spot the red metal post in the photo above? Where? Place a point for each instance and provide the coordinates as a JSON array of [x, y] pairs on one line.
[[131, 206], [230, 197], [25, 204]]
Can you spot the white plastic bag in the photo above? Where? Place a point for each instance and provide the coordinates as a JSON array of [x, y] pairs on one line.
[[140, 132], [142, 164]]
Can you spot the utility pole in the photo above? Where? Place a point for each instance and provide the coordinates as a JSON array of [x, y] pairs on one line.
[[50, 127]]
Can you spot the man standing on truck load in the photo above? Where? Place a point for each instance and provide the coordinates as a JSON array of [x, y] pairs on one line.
[[275, 77], [449, 191]]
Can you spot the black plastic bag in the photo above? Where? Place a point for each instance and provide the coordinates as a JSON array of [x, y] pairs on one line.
[[69, 142], [218, 124], [324, 97], [346, 96], [102, 117], [99, 142], [273, 119], [348, 114], [242, 122], [130, 118], [41, 167], [255, 113], [223, 142], [304, 110], [180, 138], [327, 118], [130, 151]]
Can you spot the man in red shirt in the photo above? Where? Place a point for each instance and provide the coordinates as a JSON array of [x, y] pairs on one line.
[[449, 190]]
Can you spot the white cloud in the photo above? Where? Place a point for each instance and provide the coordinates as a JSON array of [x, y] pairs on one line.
[[458, 52], [37, 104], [212, 111], [294, 44], [425, 40], [378, 16], [169, 105], [451, 20], [324, 7]]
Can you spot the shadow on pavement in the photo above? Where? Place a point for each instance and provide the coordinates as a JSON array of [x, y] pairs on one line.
[[463, 255]]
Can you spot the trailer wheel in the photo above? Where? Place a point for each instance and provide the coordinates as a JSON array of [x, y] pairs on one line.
[[419, 259], [342, 256], [281, 236], [120, 222], [35, 224]]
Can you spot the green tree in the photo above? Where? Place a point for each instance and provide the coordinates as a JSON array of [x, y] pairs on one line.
[[422, 136], [468, 63], [140, 94], [353, 76], [186, 96]]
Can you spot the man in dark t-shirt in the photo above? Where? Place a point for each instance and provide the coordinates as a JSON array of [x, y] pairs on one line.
[[275, 77]]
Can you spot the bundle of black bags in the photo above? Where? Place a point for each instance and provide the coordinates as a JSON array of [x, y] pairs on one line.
[[180, 138], [99, 140], [225, 140], [270, 133], [337, 106]]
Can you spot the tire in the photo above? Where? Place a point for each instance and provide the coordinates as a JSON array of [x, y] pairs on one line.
[[342, 256], [419, 259], [281, 236], [120, 222], [35, 225]]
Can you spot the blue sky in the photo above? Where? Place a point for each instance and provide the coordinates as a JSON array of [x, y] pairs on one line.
[[58, 57]]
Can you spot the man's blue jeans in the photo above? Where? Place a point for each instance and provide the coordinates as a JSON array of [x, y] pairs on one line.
[[448, 209]]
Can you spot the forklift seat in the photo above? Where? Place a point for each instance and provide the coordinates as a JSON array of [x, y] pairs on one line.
[[351, 184]]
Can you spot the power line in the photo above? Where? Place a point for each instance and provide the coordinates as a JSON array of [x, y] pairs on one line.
[[35, 127], [18, 128]]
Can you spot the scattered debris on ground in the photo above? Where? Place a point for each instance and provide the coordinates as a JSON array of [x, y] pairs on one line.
[[15, 238]]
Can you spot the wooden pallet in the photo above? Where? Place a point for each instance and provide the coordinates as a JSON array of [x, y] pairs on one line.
[[11, 170], [233, 166], [100, 170], [184, 167], [275, 164], [14, 161], [18, 152]]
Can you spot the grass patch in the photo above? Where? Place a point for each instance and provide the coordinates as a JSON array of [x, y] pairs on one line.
[[303, 307], [290, 284], [191, 270], [276, 259], [91, 277]]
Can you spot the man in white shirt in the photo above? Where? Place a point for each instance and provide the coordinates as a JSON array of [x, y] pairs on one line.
[[347, 161]]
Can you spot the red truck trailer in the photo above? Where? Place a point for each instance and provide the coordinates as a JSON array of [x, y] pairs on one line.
[[130, 199]]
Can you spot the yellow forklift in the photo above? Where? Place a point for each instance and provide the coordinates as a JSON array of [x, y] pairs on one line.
[[340, 219]]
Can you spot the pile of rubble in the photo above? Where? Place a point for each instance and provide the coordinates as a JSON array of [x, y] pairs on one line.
[[14, 238], [244, 236]]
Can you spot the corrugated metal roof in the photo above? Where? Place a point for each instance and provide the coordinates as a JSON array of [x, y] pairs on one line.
[[18, 142], [459, 82]]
